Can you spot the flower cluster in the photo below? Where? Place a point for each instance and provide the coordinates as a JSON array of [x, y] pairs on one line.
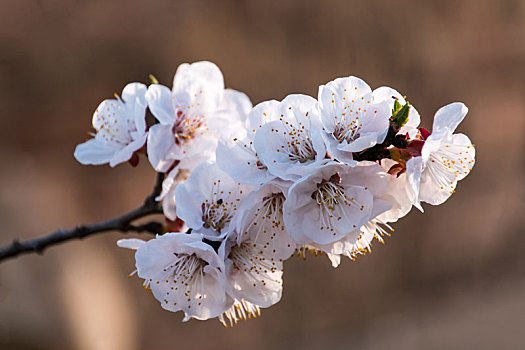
[[257, 185]]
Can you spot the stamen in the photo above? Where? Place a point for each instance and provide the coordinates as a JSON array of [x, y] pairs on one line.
[[217, 213], [249, 259], [299, 146], [186, 128], [240, 310]]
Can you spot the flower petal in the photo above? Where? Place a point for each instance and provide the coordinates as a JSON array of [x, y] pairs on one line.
[[414, 171], [160, 142], [125, 153], [94, 152], [131, 243], [134, 94], [160, 103], [447, 118], [202, 82]]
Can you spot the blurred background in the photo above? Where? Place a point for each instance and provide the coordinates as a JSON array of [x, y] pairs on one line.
[[453, 278]]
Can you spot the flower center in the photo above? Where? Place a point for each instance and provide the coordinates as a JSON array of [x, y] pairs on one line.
[[249, 259], [186, 267], [329, 192], [183, 269], [273, 205], [186, 128], [347, 130], [299, 146], [301, 150], [216, 215]]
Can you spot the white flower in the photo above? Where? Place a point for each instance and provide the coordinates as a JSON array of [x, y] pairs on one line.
[[255, 251], [237, 156], [445, 158], [209, 200], [385, 209], [183, 273], [253, 274], [324, 207], [360, 241], [385, 93], [292, 145], [120, 129], [192, 115], [261, 220], [352, 117]]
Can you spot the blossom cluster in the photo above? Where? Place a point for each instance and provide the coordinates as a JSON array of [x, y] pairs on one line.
[[247, 187]]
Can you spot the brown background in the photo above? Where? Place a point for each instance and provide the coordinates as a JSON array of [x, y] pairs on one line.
[[452, 278]]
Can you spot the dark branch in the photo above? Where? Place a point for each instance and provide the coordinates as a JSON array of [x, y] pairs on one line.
[[122, 224]]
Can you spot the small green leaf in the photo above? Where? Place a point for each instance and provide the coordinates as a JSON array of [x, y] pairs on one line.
[[397, 107], [400, 114]]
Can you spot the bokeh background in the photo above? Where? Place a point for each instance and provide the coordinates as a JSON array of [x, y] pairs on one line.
[[452, 278]]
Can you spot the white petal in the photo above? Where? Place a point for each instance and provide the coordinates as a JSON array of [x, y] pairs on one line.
[[131, 243], [465, 155], [125, 153], [189, 209], [334, 259], [253, 276], [348, 86], [160, 103], [95, 152], [414, 170], [447, 118], [238, 158], [385, 93], [261, 221], [160, 142], [168, 196], [207, 298], [235, 105], [134, 95], [436, 186], [261, 114], [202, 82], [361, 143]]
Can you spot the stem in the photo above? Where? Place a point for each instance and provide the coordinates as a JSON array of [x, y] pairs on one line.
[[122, 224]]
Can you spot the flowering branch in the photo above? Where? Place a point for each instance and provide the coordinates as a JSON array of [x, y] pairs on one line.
[[254, 185], [122, 224]]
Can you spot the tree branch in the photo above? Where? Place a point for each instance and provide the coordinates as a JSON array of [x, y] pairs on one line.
[[122, 224]]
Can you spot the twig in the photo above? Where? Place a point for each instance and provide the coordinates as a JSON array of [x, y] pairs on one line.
[[122, 224]]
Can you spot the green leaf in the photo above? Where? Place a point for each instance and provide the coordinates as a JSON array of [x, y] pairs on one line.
[[397, 107], [400, 114]]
